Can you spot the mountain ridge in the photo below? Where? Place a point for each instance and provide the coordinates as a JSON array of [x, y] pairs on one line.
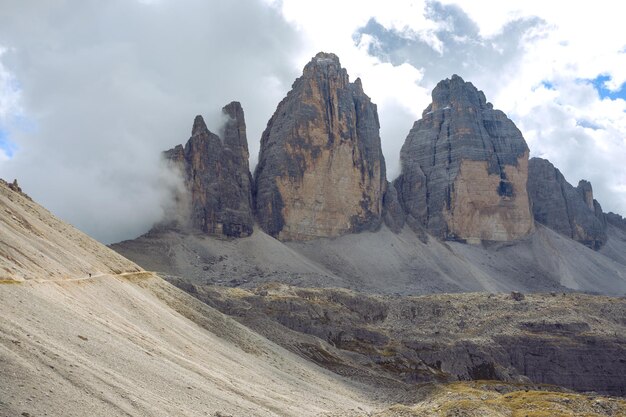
[[465, 172], [464, 215]]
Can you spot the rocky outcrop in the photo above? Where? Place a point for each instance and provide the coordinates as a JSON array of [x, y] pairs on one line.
[[321, 172], [464, 168], [569, 210], [571, 340], [14, 186], [217, 177], [393, 213], [615, 220]]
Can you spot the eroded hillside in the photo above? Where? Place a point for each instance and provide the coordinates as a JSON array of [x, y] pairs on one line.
[[128, 343], [571, 340]]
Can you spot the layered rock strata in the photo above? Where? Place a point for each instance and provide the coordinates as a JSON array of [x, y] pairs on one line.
[[571, 340], [321, 172], [465, 168], [217, 177], [571, 211]]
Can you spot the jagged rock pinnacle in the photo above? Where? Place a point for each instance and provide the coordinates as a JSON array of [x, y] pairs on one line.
[[199, 127], [217, 177], [569, 210]]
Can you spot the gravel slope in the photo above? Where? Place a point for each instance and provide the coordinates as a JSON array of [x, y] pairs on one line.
[[126, 343], [386, 263], [135, 345]]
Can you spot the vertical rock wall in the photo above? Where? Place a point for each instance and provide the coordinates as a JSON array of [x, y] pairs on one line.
[[465, 168], [321, 172], [217, 177]]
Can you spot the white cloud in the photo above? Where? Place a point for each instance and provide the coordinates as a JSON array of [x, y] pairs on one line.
[[106, 86], [9, 93], [508, 49]]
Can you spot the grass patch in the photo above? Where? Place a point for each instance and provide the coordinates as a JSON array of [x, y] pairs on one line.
[[9, 281], [135, 276], [468, 399]]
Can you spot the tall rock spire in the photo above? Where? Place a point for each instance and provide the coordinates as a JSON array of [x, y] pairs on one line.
[[321, 172], [217, 177], [465, 168]]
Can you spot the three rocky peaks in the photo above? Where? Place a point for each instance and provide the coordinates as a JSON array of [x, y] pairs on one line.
[[465, 171]]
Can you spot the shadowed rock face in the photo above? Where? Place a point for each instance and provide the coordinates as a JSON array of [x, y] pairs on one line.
[[464, 168], [321, 172], [569, 210], [217, 177], [393, 213], [615, 220]]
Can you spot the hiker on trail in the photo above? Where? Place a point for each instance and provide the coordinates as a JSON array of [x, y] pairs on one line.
[[90, 275]]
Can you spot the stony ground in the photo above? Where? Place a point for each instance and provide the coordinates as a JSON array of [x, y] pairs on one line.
[[572, 340], [123, 342], [36, 244], [137, 346], [387, 263], [484, 399]]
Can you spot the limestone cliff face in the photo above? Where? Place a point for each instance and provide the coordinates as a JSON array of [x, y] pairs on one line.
[[465, 168], [217, 176], [569, 210], [321, 172]]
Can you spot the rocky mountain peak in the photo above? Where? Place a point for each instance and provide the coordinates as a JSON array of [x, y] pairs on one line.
[[217, 177], [321, 171], [325, 69], [235, 129], [325, 61], [455, 92], [464, 168], [616, 220], [199, 127], [585, 189]]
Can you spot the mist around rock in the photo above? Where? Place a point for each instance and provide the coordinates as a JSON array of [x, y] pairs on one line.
[[95, 113]]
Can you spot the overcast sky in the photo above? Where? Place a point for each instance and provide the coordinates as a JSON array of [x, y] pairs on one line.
[[92, 91]]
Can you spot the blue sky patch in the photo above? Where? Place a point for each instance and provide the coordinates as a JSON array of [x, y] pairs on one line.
[[588, 124], [6, 145], [599, 84], [548, 85]]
